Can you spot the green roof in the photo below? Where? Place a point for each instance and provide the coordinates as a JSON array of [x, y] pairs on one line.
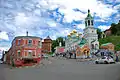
[[106, 44], [89, 15], [83, 42], [93, 40]]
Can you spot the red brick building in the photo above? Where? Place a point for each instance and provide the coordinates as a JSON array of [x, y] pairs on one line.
[[107, 32], [24, 50], [60, 49], [108, 46], [47, 45]]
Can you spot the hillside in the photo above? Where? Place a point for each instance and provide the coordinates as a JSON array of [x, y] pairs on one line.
[[112, 39]]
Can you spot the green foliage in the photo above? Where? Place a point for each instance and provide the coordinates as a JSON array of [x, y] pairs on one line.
[[55, 43], [112, 39], [50, 53], [99, 33], [115, 29]]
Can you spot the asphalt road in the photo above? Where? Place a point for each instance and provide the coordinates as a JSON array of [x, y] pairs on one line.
[[58, 69]]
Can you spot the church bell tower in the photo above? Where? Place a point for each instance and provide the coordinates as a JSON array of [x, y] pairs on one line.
[[90, 33]]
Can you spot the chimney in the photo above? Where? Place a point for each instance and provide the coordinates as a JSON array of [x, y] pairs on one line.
[[27, 33]]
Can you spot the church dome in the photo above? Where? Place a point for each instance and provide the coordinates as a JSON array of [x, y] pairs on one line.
[[79, 34], [74, 31], [71, 33], [68, 35]]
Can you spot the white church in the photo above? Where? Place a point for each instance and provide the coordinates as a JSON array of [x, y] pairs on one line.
[[89, 38]]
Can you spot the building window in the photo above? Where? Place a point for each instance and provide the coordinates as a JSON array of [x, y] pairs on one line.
[[92, 46], [26, 53], [30, 53], [85, 23], [19, 42], [39, 44], [18, 53], [29, 42], [96, 46], [92, 22]]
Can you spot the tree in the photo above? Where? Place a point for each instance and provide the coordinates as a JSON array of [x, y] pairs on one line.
[[118, 29], [99, 33], [60, 39], [113, 29], [55, 43]]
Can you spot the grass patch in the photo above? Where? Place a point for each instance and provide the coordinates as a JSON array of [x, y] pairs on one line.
[[111, 39]]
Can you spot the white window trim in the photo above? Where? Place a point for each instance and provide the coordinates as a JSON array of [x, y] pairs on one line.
[[25, 52], [17, 53], [18, 41], [31, 40]]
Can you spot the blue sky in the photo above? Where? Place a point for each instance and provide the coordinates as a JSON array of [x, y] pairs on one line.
[[52, 17]]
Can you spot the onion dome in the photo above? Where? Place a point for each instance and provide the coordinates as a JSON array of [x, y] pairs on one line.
[[68, 35], [79, 34], [74, 31], [71, 33]]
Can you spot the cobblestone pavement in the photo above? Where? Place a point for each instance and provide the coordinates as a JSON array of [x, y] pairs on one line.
[[62, 69]]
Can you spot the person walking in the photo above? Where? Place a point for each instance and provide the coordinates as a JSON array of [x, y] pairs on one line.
[[117, 58]]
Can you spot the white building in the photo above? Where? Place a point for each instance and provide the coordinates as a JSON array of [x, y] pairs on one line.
[[90, 35], [72, 40]]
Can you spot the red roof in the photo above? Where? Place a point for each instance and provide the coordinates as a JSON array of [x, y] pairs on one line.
[[107, 30]]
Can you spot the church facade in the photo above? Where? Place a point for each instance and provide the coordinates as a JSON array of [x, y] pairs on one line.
[[83, 45]]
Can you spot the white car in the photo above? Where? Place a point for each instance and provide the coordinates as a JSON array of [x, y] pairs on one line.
[[45, 56], [105, 60], [1, 62]]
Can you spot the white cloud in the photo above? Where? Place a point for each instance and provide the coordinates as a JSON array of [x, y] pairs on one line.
[[22, 19], [94, 5], [81, 26], [37, 12], [71, 15], [100, 20], [117, 7], [103, 27], [65, 32], [29, 16], [117, 1], [4, 36], [4, 48], [52, 23]]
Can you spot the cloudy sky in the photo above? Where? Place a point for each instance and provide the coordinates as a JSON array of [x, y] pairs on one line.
[[52, 17]]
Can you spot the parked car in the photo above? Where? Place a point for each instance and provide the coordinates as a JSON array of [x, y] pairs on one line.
[[1, 62], [44, 56], [105, 60]]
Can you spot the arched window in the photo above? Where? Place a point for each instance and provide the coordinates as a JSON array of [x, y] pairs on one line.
[[92, 45], [18, 53], [85, 23], [88, 22], [92, 22], [96, 45]]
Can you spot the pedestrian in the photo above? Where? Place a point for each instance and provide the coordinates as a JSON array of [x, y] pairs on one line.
[[70, 55], [75, 55], [117, 58]]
